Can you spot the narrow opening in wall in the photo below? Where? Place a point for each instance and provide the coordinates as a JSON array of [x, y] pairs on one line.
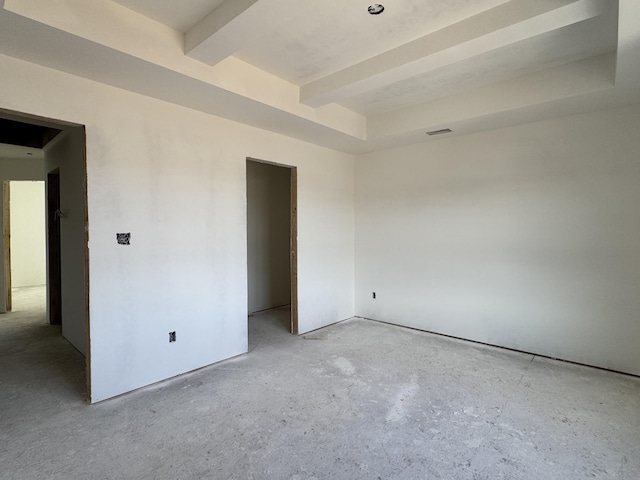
[[272, 245]]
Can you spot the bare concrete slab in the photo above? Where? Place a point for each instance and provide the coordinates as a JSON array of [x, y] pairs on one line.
[[357, 400]]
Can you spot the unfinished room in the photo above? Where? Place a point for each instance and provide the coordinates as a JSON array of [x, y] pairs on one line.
[[260, 239]]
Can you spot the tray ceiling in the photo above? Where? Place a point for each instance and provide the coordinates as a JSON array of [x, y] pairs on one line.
[[330, 73]]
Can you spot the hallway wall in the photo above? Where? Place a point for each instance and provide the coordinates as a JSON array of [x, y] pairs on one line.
[[65, 154]]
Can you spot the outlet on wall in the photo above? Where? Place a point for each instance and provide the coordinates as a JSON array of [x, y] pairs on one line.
[[374, 295], [172, 337], [123, 238]]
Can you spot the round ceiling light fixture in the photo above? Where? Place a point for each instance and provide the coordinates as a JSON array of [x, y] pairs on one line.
[[376, 9]]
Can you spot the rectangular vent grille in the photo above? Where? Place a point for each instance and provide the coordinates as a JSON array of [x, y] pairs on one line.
[[439, 132]]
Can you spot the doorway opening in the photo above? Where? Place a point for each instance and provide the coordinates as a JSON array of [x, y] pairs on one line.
[[25, 245], [47, 158], [272, 267]]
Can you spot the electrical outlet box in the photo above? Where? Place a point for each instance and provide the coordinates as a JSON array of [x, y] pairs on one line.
[[172, 337], [123, 238]]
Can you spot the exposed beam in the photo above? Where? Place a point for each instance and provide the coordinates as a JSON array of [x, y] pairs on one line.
[[234, 24], [511, 22], [577, 79], [97, 42]]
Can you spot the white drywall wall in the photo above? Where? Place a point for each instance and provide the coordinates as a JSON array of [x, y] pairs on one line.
[[268, 235], [65, 154], [28, 267], [175, 179], [525, 237], [15, 169]]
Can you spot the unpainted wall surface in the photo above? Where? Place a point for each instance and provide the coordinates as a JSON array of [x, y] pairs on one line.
[[66, 155], [526, 237], [16, 169], [268, 235], [28, 252], [176, 180]]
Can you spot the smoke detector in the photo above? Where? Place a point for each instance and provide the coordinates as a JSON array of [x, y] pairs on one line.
[[376, 9]]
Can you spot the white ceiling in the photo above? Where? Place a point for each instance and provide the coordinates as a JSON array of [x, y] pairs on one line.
[[329, 73], [180, 15], [8, 151], [310, 45], [575, 42]]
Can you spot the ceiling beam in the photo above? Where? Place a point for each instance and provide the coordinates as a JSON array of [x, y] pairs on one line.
[[577, 79], [96, 42], [506, 24], [234, 24]]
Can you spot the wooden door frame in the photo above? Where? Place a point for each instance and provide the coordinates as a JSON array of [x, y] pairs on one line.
[[293, 243], [6, 238]]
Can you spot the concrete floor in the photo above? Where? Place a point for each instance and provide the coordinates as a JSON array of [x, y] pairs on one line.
[[357, 400]]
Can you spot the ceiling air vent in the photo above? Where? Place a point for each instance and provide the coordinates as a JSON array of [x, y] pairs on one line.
[[439, 132]]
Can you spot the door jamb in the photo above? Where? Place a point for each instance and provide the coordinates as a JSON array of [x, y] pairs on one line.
[[6, 236], [293, 257]]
